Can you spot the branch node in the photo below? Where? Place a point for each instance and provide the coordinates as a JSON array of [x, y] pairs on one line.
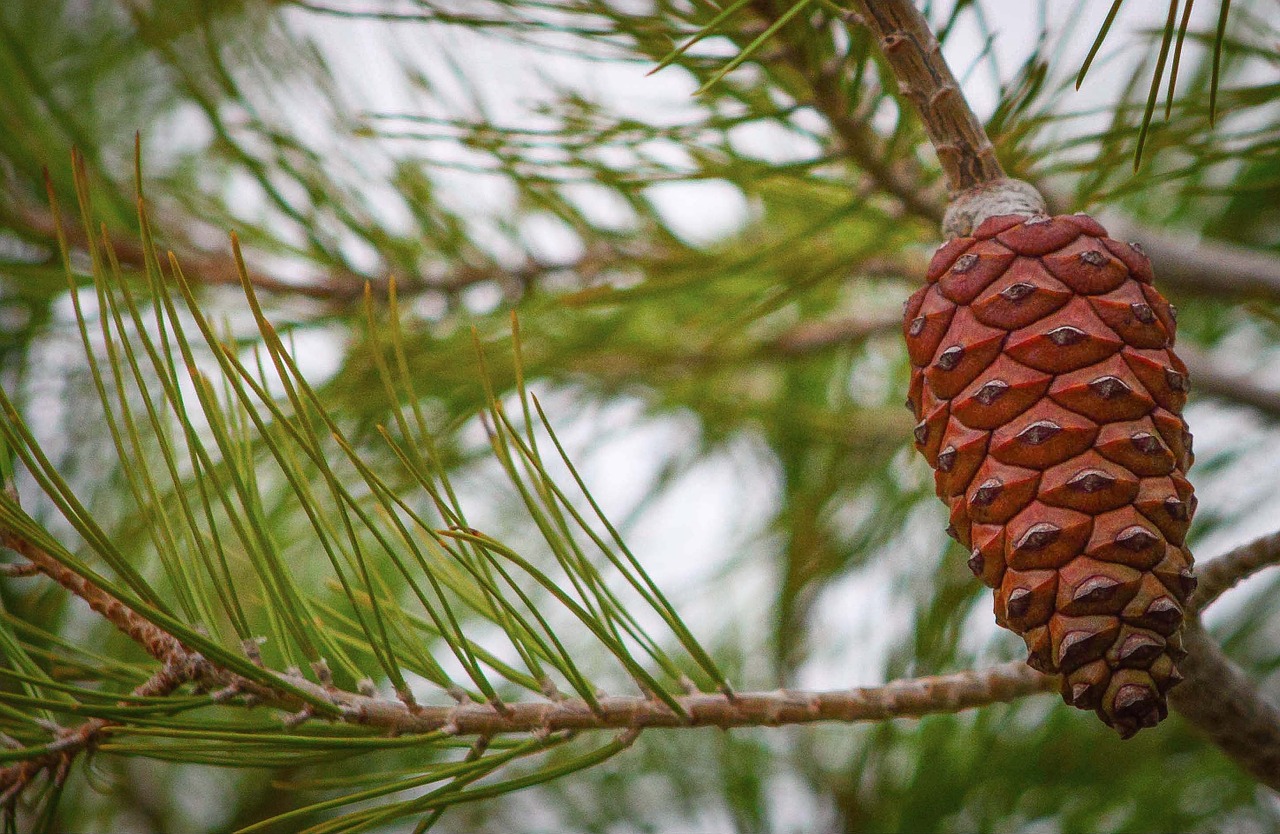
[[500, 707], [549, 689], [407, 698]]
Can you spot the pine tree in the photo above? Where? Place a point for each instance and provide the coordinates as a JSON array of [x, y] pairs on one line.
[[325, 325]]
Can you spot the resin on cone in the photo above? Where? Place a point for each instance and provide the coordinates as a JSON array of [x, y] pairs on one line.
[[1049, 403]]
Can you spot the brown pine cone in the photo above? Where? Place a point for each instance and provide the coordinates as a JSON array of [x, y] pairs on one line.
[[1049, 401]]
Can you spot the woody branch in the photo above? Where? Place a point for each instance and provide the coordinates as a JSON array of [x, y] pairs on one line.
[[1201, 700], [909, 698]]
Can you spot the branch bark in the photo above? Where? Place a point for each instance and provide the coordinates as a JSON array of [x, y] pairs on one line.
[[1209, 377], [62, 752], [1225, 572], [338, 287], [964, 150], [1217, 697], [1220, 701], [1204, 267]]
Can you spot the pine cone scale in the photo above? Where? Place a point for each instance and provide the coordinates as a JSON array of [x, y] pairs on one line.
[[1048, 399]]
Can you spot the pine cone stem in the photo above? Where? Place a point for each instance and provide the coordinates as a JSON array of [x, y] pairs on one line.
[[964, 150]]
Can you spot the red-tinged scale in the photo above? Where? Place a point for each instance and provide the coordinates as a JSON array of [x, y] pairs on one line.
[[999, 394], [1067, 340], [927, 317], [1088, 483], [1162, 374], [966, 350], [1131, 316], [986, 560], [1038, 235], [1045, 537], [1087, 267], [1132, 256], [1088, 586], [1025, 294], [959, 458], [1043, 437], [1078, 640], [998, 492], [973, 271], [1107, 392], [1164, 311], [1026, 598], [1049, 402], [1124, 536], [1173, 430], [1137, 446]]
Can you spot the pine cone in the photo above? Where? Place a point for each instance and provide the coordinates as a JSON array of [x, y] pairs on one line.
[[1049, 401]]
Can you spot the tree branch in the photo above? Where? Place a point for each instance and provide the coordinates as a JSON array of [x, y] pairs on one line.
[[1225, 706], [1209, 377], [1204, 267], [910, 698], [338, 286], [1216, 697], [1225, 572], [61, 752], [904, 698], [965, 152]]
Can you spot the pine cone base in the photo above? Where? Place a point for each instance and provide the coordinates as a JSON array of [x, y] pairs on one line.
[[1049, 402]]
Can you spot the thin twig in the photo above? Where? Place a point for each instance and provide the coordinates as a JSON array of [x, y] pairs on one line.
[[1210, 268], [337, 286], [15, 778], [910, 698], [1209, 377], [1220, 575]]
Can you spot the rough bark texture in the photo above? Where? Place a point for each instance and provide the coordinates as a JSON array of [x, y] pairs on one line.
[[1049, 403]]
